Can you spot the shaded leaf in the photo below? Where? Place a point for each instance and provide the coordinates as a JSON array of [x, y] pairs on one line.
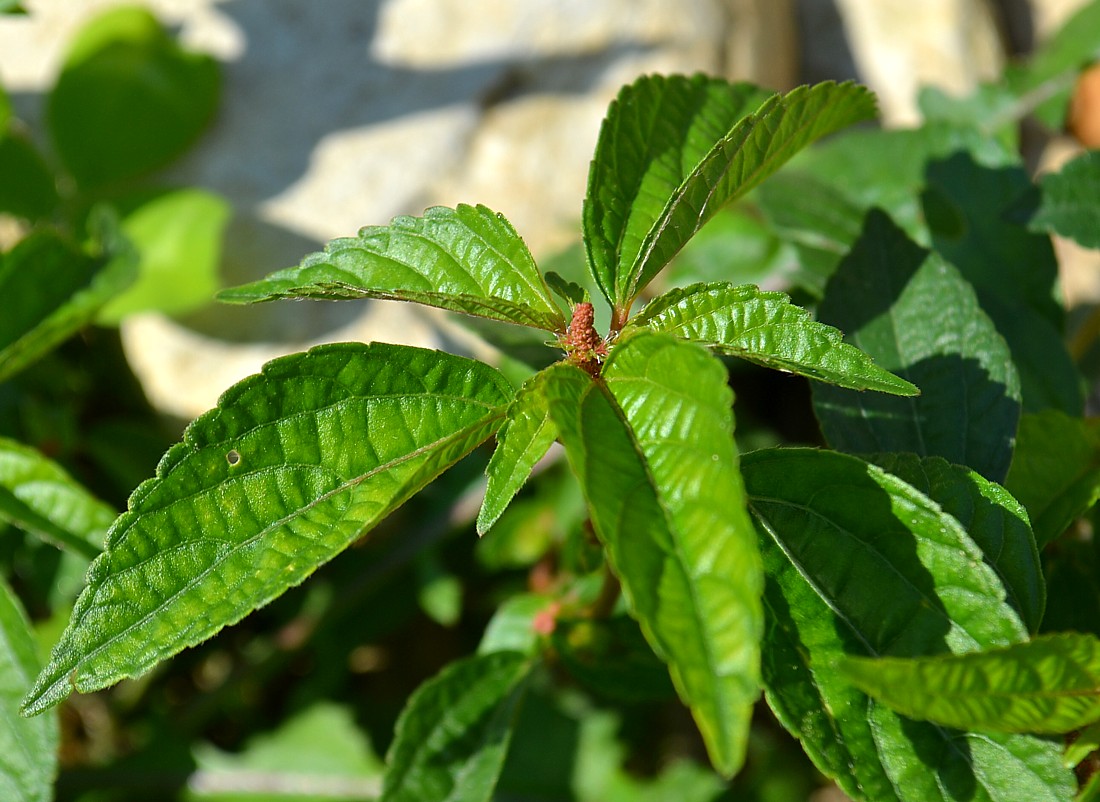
[[28, 189], [452, 737], [1069, 206], [652, 445], [512, 627], [916, 317], [292, 466], [1047, 685], [1055, 472], [569, 291], [523, 439], [838, 537], [28, 748], [468, 259], [37, 495], [766, 328], [612, 658]]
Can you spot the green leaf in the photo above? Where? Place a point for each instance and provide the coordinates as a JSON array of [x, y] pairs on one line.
[[178, 237], [1086, 742], [28, 749], [860, 563], [977, 217], [28, 189], [569, 291], [512, 627], [994, 520], [918, 318], [523, 439], [129, 99], [1055, 472], [452, 737], [1047, 685], [12, 7], [766, 328], [467, 259], [5, 104], [292, 466], [50, 290], [612, 658], [673, 151], [1068, 206], [652, 444], [37, 495]]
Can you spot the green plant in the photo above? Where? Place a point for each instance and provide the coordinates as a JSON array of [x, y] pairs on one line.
[[888, 594]]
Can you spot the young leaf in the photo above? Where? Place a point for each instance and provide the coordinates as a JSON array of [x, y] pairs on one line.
[[1068, 207], [651, 442], [1055, 472], [28, 759], [766, 328], [37, 495], [452, 737], [1047, 685], [916, 317], [673, 151], [838, 537], [291, 467], [468, 259], [523, 439], [994, 520], [50, 290], [569, 291]]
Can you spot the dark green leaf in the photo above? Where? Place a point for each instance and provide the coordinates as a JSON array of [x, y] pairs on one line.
[[766, 328], [452, 737], [652, 444], [522, 441], [918, 318], [569, 291], [839, 539], [994, 520], [1055, 471], [611, 658], [1047, 685], [128, 99], [50, 290], [292, 466], [5, 103], [468, 260], [28, 749], [27, 189], [12, 7], [37, 495], [1069, 206]]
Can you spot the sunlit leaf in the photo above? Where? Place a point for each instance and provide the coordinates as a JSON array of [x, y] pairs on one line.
[[1069, 206], [292, 466]]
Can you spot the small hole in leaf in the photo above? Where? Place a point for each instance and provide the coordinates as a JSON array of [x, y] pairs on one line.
[[233, 458]]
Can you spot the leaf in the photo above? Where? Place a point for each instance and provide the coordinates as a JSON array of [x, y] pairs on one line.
[[1047, 685], [569, 291], [860, 563], [1086, 742], [766, 328], [1068, 206], [128, 99], [524, 438], [28, 189], [994, 520], [916, 317], [37, 495], [612, 658], [673, 151], [451, 739], [50, 290], [1055, 472], [292, 466], [5, 102], [652, 445], [467, 259], [178, 236], [28, 749]]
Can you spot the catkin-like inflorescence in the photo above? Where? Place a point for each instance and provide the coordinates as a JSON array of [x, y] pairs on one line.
[[584, 346]]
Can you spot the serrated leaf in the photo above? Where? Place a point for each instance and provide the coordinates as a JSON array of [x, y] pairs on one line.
[[50, 290], [918, 318], [569, 291], [37, 495], [451, 739], [672, 151], [652, 444], [292, 466], [1055, 472], [28, 749], [523, 439], [860, 563], [1069, 207], [1047, 685], [995, 521], [468, 259], [766, 328]]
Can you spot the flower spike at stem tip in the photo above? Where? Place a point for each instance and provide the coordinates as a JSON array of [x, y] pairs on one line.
[[583, 346]]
